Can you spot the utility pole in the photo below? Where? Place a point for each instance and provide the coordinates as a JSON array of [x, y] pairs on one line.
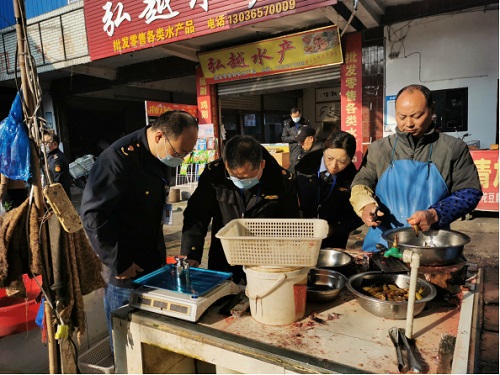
[[29, 106]]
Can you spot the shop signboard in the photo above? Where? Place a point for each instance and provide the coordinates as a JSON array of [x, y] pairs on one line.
[[156, 109], [116, 27], [486, 162], [351, 105], [305, 50]]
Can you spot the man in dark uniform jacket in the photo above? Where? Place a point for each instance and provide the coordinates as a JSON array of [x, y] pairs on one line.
[[290, 130], [57, 162], [246, 183], [124, 199]]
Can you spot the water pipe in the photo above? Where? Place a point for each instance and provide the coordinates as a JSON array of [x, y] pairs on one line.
[[407, 256], [414, 260]]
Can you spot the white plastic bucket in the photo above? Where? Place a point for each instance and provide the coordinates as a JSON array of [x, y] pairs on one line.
[[277, 295]]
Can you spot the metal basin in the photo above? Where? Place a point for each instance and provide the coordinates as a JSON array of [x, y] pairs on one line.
[[388, 309], [436, 247], [324, 285], [333, 258]]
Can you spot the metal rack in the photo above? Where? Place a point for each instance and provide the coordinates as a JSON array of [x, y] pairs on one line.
[[190, 178]]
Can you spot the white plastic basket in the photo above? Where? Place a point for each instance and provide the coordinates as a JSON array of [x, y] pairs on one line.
[[76, 170], [98, 359], [273, 242], [81, 166]]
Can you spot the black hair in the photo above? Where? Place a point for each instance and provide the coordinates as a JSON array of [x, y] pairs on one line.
[[424, 90], [172, 123], [295, 109], [343, 140], [53, 136], [242, 149]]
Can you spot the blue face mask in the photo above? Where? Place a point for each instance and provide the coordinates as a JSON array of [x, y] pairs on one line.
[[169, 160], [244, 183]]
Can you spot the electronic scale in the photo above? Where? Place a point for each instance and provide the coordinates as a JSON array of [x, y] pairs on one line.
[[160, 292]]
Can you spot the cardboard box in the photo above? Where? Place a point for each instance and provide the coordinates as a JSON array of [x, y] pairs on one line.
[[283, 158]]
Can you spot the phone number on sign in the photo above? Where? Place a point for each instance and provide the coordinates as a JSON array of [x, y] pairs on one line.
[[260, 12]]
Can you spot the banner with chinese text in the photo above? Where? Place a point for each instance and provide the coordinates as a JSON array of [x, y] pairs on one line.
[[351, 92], [487, 167], [116, 27], [309, 49], [156, 109]]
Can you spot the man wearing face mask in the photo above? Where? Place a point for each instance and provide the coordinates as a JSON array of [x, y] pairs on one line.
[[246, 183], [124, 198], [58, 165], [290, 130]]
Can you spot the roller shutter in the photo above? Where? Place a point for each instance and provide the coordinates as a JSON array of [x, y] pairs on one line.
[[281, 82]]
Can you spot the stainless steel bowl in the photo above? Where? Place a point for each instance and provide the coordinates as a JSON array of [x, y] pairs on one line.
[[324, 285], [333, 258], [388, 309], [436, 247]]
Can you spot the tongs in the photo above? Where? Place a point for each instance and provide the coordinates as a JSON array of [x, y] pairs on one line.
[[398, 337], [394, 335]]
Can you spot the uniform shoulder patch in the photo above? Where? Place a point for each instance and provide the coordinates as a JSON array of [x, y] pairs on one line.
[[212, 165], [286, 174]]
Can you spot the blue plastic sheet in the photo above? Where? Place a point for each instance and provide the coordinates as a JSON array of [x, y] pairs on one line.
[[15, 144]]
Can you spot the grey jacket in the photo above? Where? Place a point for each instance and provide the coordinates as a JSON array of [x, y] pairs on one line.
[[450, 155]]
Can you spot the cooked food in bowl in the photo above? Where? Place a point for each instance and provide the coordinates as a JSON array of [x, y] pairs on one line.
[[383, 308], [324, 285], [333, 258]]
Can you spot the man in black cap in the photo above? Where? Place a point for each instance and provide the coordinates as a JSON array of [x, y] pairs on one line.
[[306, 138]]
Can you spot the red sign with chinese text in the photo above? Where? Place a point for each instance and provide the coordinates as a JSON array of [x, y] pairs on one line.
[[207, 105], [486, 162], [351, 92], [156, 109], [116, 27]]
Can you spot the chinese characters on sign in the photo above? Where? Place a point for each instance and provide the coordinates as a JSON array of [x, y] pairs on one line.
[[320, 47], [487, 167], [351, 93], [156, 109], [116, 27], [327, 94]]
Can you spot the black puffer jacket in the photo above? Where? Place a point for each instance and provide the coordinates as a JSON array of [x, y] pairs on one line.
[[288, 135], [335, 208], [216, 198]]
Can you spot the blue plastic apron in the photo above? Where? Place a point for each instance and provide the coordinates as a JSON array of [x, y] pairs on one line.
[[405, 187]]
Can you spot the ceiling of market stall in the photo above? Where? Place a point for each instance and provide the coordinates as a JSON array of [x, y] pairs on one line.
[[135, 76]]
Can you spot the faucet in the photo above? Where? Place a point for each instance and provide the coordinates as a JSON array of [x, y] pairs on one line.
[[394, 250]]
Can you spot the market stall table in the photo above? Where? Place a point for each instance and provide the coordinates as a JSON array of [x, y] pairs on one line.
[[351, 340]]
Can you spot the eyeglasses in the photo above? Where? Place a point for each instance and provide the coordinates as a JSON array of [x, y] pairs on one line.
[[178, 154]]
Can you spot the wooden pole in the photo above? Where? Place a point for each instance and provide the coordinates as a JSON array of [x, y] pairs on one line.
[[30, 119]]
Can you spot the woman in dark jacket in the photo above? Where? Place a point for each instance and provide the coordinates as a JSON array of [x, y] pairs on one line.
[[323, 180]]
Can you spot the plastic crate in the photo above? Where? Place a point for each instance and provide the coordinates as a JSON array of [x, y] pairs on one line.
[[81, 166], [87, 161], [98, 359], [273, 242], [76, 170]]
